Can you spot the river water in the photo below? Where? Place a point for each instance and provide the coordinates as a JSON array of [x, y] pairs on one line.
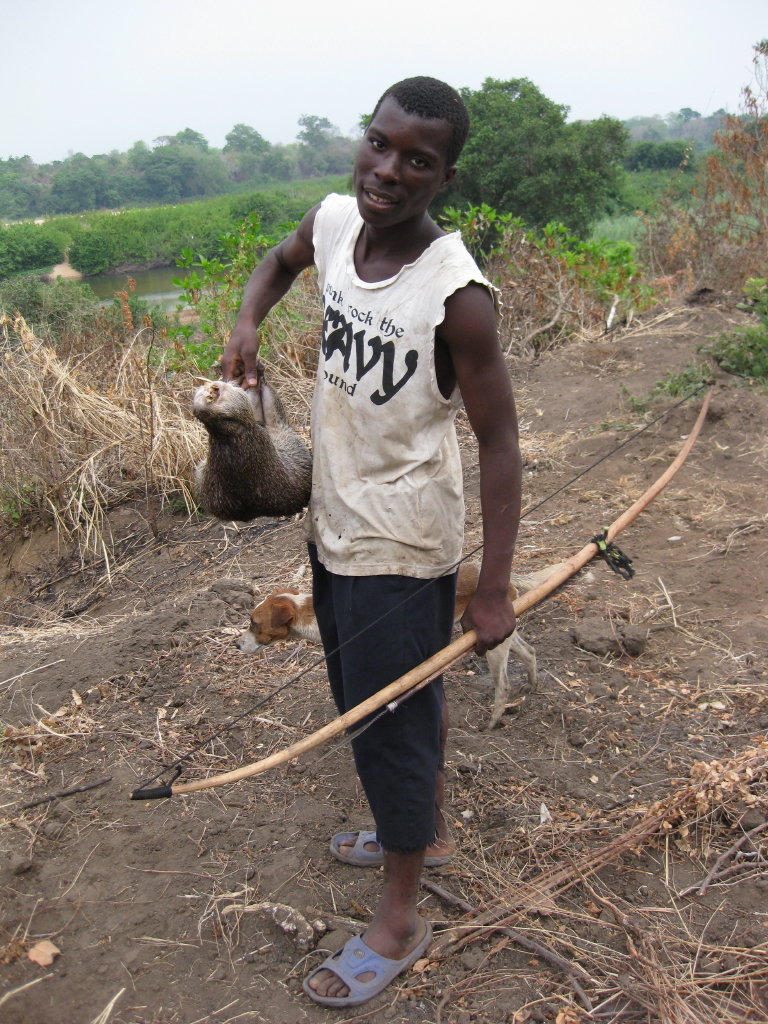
[[154, 286]]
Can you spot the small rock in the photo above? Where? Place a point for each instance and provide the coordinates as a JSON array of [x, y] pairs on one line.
[[464, 1017], [319, 926], [336, 939], [250, 872], [578, 791], [617, 638], [577, 739], [606, 802], [634, 639], [597, 689], [590, 749], [53, 829], [707, 967], [220, 973], [18, 864], [471, 959], [751, 819], [606, 917]]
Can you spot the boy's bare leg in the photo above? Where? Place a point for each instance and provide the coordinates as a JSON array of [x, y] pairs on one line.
[[444, 844], [396, 928]]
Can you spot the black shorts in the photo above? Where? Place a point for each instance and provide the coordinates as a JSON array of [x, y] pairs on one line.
[[397, 758]]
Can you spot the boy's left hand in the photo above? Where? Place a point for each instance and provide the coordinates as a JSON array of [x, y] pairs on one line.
[[492, 616]]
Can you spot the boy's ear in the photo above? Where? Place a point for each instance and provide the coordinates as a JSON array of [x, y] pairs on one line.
[[282, 614], [450, 174]]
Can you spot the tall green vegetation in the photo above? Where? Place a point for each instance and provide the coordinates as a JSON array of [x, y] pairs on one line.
[[744, 351], [522, 157], [98, 242], [214, 288], [176, 168]]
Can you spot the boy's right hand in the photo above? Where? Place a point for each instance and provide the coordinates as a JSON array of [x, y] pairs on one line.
[[241, 355]]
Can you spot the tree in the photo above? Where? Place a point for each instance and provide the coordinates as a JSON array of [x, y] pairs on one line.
[[244, 139], [659, 156], [79, 185], [522, 157], [188, 137], [316, 132]]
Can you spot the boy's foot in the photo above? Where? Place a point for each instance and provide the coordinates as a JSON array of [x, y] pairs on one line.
[[377, 940]]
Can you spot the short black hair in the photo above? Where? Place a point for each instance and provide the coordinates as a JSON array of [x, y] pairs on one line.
[[435, 100]]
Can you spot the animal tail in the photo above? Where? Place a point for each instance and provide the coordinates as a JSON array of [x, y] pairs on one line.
[[527, 581]]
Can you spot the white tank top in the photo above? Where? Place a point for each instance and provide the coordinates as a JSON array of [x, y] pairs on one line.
[[387, 495]]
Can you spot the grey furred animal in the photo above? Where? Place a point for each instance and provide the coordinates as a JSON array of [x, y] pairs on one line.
[[256, 464]]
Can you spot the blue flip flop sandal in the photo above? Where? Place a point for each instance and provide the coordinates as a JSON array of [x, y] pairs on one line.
[[358, 855], [362, 858], [356, 959]]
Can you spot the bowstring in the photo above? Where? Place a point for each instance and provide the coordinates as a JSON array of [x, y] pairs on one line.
[[324, 657]]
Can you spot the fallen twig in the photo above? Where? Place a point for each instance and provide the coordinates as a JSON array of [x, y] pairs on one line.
[[572, 971], [64, 792], [702, 888], [28, 984]]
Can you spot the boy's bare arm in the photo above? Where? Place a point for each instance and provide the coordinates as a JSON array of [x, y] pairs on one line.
[[469, 331], [266, 286]]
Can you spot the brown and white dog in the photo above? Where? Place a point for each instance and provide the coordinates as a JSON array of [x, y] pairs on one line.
[[288, 613]]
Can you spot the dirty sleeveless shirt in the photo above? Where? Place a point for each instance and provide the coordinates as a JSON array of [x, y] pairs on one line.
[[387, 494]]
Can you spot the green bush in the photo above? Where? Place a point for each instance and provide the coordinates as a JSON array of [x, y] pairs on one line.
[[215, 294], [683, 382], [98, 242], [744, 352], [49, 308], [660, 156], [25, 247]]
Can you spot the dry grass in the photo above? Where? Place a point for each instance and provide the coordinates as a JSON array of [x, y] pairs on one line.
[[82, 434], [75, 448], [540, 880]]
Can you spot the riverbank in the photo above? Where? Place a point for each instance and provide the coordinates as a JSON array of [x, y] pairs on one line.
[[125, 241]]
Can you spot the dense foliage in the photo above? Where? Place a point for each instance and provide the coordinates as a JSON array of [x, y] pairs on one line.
[[67, 312], [660, 156], [744, 351], [178, 167], [214, 288], [524, 158], [129, 239]]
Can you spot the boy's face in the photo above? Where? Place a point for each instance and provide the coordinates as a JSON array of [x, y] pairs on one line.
[[400, 165]]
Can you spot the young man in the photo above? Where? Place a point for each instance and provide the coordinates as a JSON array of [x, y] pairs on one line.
[[409, 333]]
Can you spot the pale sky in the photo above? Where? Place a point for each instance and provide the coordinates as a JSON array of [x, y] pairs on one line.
[[93, 76]]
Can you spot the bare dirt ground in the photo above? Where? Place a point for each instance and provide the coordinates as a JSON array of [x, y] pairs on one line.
[[154, 906]]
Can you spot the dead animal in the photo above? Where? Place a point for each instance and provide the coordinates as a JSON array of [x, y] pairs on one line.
[[257, 465]]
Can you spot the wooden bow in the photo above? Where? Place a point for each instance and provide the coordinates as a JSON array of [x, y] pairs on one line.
[[438, 663]]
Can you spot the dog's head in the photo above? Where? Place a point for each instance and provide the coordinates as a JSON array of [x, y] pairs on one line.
[[270, 621]]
